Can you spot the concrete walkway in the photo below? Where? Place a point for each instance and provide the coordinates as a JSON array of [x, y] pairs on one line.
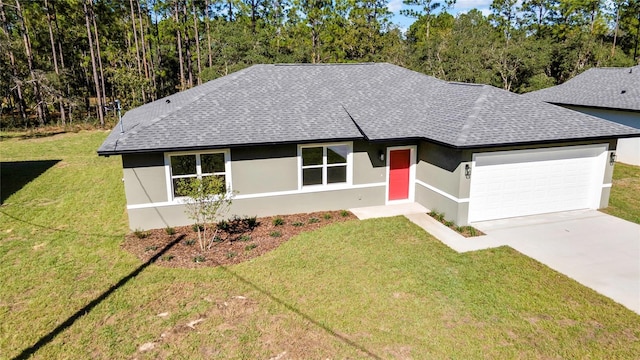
[[599, 251]]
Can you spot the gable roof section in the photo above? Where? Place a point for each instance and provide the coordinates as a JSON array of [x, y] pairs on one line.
[[612, 88], [268, 104]]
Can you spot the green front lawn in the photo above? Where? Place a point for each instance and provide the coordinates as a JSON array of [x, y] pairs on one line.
[[625, 193], [377, 288]]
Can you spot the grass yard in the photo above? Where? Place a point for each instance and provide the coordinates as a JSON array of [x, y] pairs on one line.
[[360, 289], [625, 193]]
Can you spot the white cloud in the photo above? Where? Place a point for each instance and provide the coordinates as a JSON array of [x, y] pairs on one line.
[[485, 11], [472, 4], [394, 5]]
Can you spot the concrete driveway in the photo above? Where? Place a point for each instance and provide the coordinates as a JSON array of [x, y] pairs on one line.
[[597, 250]]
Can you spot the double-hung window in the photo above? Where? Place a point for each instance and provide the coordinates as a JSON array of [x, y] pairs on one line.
[[198, 165], [325, 164]]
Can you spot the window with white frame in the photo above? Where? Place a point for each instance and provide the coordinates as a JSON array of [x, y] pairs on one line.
[[197, 165], [324, 164]]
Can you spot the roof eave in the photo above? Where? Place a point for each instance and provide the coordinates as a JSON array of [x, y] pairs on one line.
[[107, 153], [592, 106], [546, 142]]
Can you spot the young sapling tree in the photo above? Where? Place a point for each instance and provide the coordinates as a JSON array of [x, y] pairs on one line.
[[206, 200]]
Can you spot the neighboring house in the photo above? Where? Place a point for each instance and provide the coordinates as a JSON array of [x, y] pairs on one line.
[[609, 93], [302, 138]]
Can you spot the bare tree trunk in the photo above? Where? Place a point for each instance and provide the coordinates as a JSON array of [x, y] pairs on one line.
[[158, 58], [207, 23], [27, 48], [144, 54], [635, 47], [61, 57], [93, 63], [195, 32], [99, 55], [315, 46], [19, 99], [144, 46], [179, 37], [615, 31], [135, 37], [187, 45], [63, 118], [55, 22]]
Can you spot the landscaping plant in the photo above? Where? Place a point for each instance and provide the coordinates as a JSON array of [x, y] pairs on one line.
[[206, 200]]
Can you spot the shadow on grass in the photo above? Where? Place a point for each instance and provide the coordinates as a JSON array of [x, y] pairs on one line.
[[307, 317], [14, 175], [21, 135], [26, 353], [49, 228]]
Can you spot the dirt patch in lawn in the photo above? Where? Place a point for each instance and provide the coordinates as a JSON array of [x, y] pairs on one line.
[[237, 241]]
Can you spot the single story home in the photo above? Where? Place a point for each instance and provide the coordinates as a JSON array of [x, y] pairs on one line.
[[609, 93], [297, 138]]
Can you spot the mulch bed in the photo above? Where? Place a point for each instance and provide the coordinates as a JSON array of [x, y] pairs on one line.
[[238, 243]]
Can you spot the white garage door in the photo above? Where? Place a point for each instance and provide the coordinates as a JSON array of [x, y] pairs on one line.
[[526, 182]]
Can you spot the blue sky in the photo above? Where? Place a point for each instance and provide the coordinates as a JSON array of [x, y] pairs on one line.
[[461, 6]]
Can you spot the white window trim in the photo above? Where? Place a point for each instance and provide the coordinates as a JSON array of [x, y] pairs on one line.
[[412, 173], [324, 166], [169, 177]]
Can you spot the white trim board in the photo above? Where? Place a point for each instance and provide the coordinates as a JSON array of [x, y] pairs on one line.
[[440, 192], [305, 190]]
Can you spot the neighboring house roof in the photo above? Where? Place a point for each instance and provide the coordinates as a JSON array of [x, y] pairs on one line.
[[612, 88], [268, 104]]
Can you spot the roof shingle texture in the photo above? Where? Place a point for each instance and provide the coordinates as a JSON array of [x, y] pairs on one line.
[[267, 104], [613, 88]]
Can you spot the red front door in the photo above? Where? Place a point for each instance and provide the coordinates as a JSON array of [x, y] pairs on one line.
[[399, 163]]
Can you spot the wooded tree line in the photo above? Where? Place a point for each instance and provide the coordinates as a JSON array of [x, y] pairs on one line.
[[65, 61]]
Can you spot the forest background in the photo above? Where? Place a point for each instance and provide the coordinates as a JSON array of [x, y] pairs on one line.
[[66, 62]]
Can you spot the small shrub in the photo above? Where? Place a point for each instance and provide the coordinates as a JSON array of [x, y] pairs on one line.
[[223, 225], [313, 220], [278, 221], [217, 239], [250, 247], [190, 242], [298, 223], [326, 216], [231, 255], [198, 259], [195, 227], [245, 238], [167, 258], [448, 223], [344, 213], [436, 215], [251, 222], [275, 234], [169, 230], [469, 230], [140, 234], [151, 248]]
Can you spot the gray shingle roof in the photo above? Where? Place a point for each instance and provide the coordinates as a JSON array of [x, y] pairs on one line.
[[613, 88], [267, 104]]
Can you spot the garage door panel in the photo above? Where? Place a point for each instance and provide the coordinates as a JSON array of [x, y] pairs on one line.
[[519, 183]]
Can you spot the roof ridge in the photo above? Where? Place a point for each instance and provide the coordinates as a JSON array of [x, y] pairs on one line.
[[613, 67], [464, 83], [473, 115], [325, 64]]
